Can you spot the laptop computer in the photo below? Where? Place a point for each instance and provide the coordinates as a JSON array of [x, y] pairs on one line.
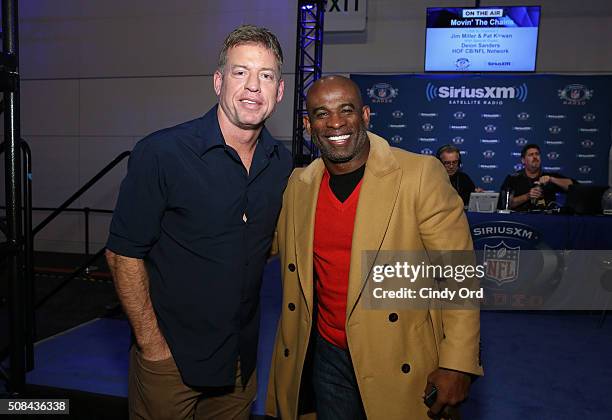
[[483, 202]]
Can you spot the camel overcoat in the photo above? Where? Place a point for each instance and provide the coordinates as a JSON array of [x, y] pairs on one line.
[[406, 203]]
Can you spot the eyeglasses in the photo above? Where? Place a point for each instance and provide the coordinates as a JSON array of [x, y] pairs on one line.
[[450, 163]]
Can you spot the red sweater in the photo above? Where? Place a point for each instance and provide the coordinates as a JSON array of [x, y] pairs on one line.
[[333, 237]]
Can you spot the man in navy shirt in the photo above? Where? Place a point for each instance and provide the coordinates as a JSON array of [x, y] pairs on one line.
[[531, 187], [193, 226]]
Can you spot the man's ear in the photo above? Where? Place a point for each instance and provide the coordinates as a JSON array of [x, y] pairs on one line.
[[280, 91], [217, 82], [306, 121], [365, 114]]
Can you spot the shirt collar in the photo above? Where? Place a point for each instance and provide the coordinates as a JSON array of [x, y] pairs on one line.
[[210, 136]]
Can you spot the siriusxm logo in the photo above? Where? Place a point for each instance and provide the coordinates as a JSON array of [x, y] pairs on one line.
[[458, 140], [587, 144], [555, 129], [488, 154], [554, 142], [488, 166], [522, 116], [427, 127], [486, 92], [459, 115], [397, 125], [489, 141], [515, 154], [397, 114], [427, 151], [487, 179], [552, 155], [428, 139], [586, 156], [428, 114], [589, 117], [490, 115], [521, 141], [490, 128], [458, 127], [556, 116], [525, 128], [584, 181], [584, 169], [552, 168], [589, 130], [518, 166], [462, 63]]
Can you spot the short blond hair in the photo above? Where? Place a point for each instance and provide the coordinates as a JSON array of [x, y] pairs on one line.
[[251, 34]]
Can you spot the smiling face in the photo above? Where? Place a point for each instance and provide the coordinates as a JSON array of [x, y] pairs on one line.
[[249, 86], [336, 122], [532, 161]]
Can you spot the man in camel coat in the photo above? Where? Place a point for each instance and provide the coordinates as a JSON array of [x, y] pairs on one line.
[[364, 195]]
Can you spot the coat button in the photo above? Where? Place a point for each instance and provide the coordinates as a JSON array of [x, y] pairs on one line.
[[405, 367], [291, 267], [286, 352], [393, 317], [291, 307]]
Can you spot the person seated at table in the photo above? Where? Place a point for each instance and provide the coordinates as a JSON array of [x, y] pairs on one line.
[[450, 156], [532, 188]]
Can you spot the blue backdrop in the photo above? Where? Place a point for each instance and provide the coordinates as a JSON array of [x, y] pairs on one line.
[[491, 117]]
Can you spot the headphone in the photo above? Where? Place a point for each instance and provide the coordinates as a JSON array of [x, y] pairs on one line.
[[448, 148]]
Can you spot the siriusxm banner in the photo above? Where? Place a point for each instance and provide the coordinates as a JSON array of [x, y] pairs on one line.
[[490, 118]]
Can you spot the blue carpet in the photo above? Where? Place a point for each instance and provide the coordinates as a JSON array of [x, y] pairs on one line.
[[537, 365], [91, 357], [543, 366]]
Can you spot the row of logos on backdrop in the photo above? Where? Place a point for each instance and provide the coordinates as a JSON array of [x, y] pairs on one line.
[[521, 116], [429, 128], [569, 132], [571, 94]]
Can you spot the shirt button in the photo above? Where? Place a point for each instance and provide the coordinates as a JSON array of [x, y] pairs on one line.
[[286, 352], [405, 368], [393, 317], [291, 306], [291, 267]]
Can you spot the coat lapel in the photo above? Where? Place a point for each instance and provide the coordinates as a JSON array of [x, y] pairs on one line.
[[304, 221], [377, 198]]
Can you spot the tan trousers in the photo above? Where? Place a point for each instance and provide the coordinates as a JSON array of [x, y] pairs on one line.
[[157, 392]]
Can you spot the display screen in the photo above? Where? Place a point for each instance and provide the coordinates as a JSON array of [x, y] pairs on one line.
[[485, 39]]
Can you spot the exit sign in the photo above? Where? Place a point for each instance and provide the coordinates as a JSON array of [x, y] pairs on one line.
[[345, 15]]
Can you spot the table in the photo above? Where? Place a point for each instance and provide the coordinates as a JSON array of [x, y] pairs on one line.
[[534, 231]]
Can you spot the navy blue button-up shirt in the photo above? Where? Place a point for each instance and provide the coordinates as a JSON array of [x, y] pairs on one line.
[[203, 227]]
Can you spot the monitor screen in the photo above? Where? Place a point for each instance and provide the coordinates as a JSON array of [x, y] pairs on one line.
[[485, 39]]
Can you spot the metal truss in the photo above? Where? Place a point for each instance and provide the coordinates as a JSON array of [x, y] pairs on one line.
[[308, 68]]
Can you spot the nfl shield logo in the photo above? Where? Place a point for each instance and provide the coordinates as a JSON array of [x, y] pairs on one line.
[[502, 262]]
